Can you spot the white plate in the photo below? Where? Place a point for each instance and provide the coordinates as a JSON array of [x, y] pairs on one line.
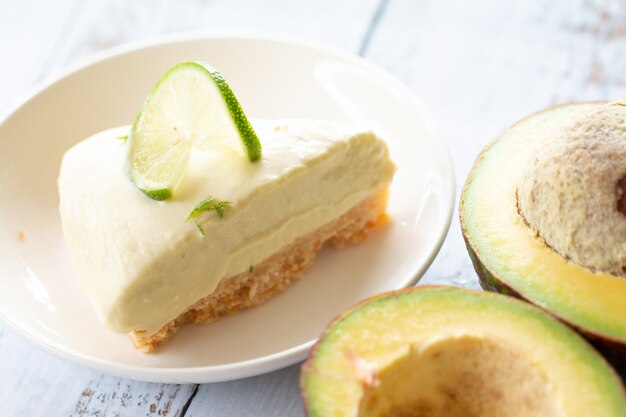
[[39, 299]]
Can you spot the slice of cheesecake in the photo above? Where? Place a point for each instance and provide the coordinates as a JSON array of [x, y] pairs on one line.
[[148, 270]]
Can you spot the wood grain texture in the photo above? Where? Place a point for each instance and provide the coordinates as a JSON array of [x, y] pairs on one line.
[[275, 394], [479, 66], [37, 384], [29, 31], [100, 25]]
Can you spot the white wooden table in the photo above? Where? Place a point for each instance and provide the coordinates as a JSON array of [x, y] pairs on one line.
[[479, 66]]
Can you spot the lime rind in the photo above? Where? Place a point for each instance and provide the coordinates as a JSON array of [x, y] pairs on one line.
[[251, 142], [159, 195], [182, 111], [210, 204]]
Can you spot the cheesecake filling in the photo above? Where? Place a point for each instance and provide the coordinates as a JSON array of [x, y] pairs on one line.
[[142, 264]]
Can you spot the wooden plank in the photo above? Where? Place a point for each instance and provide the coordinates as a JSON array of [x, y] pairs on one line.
[[481, 65], [272, 395], [29, 33], [37, 384], [105, 24]]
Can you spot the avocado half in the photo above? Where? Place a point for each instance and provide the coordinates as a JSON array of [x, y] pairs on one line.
[[511, 259], [450, 352]]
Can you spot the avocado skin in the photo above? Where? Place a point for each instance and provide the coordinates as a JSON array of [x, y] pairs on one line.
[[613, 351], [314, 350]]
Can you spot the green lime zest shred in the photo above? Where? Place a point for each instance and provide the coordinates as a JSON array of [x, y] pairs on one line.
[[210, 204], [199, 228]]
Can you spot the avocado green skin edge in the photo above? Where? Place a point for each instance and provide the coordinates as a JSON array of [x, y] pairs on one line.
[[614, 350], [333, 322], [353, 309]]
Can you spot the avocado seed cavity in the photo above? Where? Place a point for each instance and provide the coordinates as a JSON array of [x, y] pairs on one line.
[[573, 194], [621, 194], [460, 377]]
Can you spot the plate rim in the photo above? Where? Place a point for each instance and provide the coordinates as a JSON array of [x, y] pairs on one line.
[[276, 360]]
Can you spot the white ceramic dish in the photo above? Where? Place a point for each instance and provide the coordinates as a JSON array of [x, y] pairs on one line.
[[39, 299]]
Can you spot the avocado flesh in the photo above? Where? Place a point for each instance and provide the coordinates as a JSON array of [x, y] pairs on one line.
[[442, 351], [510, 258]]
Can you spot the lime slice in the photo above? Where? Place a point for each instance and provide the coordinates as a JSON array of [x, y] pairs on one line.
[[190, 106]]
